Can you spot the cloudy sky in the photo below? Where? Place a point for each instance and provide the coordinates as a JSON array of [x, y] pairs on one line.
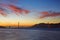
[[29, 12]]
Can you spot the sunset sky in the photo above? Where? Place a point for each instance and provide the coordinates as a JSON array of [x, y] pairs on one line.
[[38, 11]]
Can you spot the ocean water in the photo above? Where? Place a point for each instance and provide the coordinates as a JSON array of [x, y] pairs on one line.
[[29, 34]]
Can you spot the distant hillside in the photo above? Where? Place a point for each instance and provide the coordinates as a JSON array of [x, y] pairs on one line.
[[40, 25], [43, 25], [2, 27]]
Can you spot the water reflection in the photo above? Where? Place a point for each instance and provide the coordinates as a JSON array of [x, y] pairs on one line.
[[26, 34]]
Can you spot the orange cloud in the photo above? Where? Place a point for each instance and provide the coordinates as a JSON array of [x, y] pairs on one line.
[[15, 9], [48, 14], [26, 11], [44, 13], [18, 10]]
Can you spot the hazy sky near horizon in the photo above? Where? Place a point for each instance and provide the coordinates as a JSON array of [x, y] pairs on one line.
[[34, 6]]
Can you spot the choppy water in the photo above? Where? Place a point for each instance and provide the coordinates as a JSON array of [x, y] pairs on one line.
[[27, 34]]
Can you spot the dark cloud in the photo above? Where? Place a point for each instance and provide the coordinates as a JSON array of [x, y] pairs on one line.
[[2, 12]]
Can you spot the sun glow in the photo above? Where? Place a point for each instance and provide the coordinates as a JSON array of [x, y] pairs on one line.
[[28, 12]]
